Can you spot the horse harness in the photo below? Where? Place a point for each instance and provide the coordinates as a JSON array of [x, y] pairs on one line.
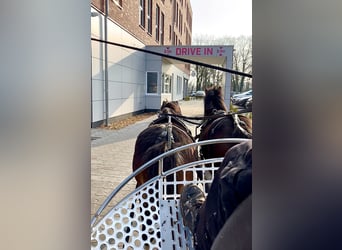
[[165, 118], [238, 123], [167, 133]]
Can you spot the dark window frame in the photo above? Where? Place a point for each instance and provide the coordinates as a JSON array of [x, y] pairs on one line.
[[152, 83], [142, 13]]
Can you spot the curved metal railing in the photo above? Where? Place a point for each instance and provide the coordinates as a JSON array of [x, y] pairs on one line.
[[162, 173], [149, 217]]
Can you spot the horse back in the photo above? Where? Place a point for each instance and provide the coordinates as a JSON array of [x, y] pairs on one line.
[[223, 127]]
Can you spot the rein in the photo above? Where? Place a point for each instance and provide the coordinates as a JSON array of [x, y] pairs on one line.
[[204, 118], [169, 133]]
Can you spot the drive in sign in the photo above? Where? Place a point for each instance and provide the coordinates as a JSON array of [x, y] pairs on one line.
[[195, 51]]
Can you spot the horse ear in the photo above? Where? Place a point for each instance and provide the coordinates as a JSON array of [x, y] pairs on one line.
[[219, 90], [163, 104]]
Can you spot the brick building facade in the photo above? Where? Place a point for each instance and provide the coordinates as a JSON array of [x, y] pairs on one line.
[[141, 17], [134, 81]]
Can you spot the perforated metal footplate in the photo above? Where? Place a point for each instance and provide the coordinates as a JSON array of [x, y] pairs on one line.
[[174, 234], [132, 224]]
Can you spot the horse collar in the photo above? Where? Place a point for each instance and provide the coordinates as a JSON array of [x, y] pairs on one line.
[[210, 120], [166, 135]]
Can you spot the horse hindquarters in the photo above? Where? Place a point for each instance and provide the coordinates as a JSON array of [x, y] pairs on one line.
[[174, 160], [217, 129], [148, 138], [142, 156], [169, 163], [153, 142]]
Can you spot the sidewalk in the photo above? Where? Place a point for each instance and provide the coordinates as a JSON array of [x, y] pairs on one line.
[[112, 154]]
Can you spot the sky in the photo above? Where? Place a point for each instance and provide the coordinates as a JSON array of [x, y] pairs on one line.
[[221, 17]]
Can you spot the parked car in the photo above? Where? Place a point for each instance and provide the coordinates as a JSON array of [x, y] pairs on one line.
[[249, 103], [241, 99], [200, 93], [193, 93]]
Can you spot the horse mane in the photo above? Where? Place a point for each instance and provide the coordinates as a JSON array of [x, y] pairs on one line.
[[173, 108], [214, 100], [170, 108]]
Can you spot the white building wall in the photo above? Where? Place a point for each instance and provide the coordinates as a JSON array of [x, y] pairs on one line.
[[171, 69], [126, 72]]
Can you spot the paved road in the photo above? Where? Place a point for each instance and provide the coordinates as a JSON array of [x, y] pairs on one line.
[[112, 153]]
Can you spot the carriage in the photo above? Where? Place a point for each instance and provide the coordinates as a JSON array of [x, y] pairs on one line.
[[149, 217]]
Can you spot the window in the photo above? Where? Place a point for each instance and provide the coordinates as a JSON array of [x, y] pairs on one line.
[[157, 22], [180, 22], [166, 84], [176, 14], [162, 28], [149, 16], [142, 13], [152, 82]]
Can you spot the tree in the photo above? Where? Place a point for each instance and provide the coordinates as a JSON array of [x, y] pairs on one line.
[[242, 61], [206, 77]]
